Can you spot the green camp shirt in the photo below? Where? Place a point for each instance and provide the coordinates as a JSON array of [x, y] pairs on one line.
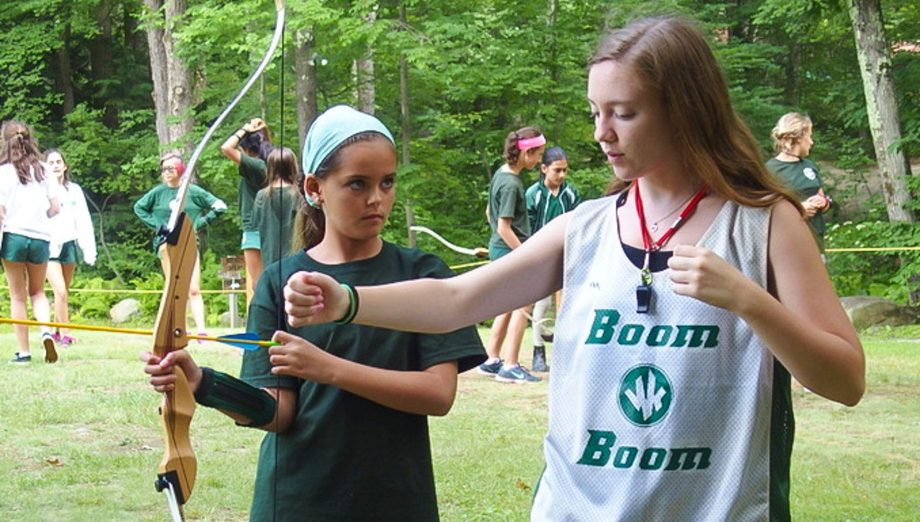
[[345, 457], [201, 207], [803, 178], [506, 200], [252, 179], [273, 215]]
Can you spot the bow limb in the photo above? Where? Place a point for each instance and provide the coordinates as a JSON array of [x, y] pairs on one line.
[[196, 154], [478, 252]]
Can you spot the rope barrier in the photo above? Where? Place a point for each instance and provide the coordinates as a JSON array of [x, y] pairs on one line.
[[468, 265], [452, 267], [875, 249]]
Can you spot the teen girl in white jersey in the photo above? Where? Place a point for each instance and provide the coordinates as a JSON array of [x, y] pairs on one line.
[[669, 395], [71, 228]]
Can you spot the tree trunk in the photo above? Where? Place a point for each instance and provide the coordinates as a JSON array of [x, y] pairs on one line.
[[172, 92], [404, 125], [101, 62], [180, 121], [552, 53], [881, 105], [364, 74], [305, 84], [64, 78], [157, 55]]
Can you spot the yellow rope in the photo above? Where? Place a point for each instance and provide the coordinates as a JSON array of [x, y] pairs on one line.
[[875, 249], [468, 265]]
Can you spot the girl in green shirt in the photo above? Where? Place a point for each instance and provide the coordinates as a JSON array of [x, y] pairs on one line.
[[345, 407], [249, 147], [277, 205]]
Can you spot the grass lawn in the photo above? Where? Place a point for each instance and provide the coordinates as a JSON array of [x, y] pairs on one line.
[[81, 441]]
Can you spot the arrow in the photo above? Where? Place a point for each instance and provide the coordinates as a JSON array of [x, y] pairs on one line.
[[246, 340]]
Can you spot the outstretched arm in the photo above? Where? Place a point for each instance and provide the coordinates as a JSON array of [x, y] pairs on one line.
[[527, 274], [800, 318]]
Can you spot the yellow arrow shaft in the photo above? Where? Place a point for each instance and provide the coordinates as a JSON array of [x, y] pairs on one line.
[[131, 331]]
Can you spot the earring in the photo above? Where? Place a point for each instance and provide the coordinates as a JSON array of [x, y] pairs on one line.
[[312, 202]]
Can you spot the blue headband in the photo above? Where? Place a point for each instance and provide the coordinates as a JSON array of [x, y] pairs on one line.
[[331, 129]]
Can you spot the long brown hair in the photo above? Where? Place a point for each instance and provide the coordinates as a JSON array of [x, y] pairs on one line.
[[310, 227], [282, 164], [21, 149], [674, 60]]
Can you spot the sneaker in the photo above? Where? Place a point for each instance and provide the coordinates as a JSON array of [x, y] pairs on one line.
[[66, 340], [57, 337], [490, 369], [539, 359], [21, 359], [48, 344], [516, 374]]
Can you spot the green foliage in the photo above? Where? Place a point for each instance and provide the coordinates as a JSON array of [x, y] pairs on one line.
[[476, 71], [150, 303], [892, 275], [94, 306]]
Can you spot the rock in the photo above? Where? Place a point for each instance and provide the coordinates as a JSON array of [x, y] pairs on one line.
[[225, 321], [865, 311], [125, 310]]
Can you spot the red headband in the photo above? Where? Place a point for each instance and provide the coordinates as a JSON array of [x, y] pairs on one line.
[[531, 143], [180, 167]]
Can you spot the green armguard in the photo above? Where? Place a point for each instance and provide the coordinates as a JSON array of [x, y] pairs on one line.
[[221, 391]]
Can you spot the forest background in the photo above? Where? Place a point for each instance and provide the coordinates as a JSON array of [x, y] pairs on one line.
[[112, 83]]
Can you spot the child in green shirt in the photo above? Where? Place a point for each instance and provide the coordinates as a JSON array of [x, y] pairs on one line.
[[345, 406]]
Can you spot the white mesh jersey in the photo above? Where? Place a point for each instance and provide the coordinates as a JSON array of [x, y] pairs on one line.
[[659, 416]]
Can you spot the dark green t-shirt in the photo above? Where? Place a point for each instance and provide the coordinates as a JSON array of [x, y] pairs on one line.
[[803, 177], [345, 457], [201, 207], [506, 200], [275, 225], [252, 179]]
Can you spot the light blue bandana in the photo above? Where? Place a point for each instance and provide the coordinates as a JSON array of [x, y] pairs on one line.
[[331, 129]]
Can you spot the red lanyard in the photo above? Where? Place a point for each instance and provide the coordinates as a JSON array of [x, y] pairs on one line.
[[654, 246]]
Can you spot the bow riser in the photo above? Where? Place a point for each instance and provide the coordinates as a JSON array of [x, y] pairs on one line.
[[178, 467]]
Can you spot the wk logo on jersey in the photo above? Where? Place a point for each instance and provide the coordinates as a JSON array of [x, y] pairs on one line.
[[645, 395]]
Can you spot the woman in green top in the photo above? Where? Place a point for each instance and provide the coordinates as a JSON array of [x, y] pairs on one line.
[[510, 224], [345, 406], [249, 147], [201, 207], [276, 206], [792, 140]]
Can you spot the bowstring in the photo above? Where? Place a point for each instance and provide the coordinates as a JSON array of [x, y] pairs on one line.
[[280, 310]]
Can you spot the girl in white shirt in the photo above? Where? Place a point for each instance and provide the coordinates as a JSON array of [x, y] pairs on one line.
[[72, 228], [29, 198]]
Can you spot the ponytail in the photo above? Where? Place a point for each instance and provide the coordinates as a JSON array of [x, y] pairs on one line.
[[21, 150]]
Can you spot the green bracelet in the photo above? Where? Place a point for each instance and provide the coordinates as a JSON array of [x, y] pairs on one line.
[[352, 304]]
